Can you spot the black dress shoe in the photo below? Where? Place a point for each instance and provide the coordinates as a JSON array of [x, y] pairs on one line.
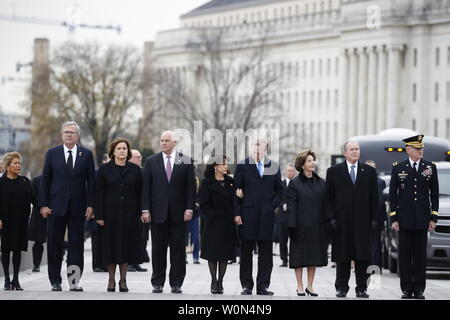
[[7, 285], [407, 295], [264, 292], [419, 295], [283, 265], [341, 294], [76, 288], [246, 292], [300, 294], [15, 285], [219, 287], [36, 269], [310, 293], [176, 289], [157, 289], [362, 294], [56, 287], [123, 286], [196, 261], [140, 269], [131, 268], [111, 286]]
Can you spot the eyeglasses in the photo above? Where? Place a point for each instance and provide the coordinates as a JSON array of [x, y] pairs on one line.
[[69, 132]]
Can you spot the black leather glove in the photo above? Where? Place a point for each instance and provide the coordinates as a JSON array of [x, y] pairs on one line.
[[333, 224], [374, 225]]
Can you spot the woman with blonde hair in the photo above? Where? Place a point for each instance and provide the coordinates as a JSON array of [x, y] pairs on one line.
[[16, 197]]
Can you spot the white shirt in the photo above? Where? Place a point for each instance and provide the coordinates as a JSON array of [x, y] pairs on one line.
[[412, 164], [349, 167], [287, 181], [74, 153], [172, 159]]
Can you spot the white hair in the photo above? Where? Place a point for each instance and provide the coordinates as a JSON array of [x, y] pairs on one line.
[[71, 123], [344, 147]]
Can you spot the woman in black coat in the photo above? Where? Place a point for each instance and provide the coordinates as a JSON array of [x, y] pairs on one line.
[[306, 220], [218, 240], [16, 197], [118, 211]]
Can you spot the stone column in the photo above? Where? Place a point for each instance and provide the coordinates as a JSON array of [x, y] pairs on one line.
[[352, 93], [393, 89], [371, 92], [362, 92], [343, 94], [381, 88]]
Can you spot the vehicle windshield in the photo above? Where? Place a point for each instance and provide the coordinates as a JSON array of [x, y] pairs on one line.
[[444, 182]]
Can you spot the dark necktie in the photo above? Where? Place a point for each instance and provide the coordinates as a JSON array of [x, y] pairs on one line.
[[415, 166], [352, 173], [168, 169], [70, 162]]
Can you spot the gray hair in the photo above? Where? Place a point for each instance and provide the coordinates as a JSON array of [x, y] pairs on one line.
[[290, 165], [173, 135], [346, 143], [71, 123]]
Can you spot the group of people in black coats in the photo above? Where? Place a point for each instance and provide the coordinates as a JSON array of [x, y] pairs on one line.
[[121, 197]]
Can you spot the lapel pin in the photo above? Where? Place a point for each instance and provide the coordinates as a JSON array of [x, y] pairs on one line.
[[80, 153]]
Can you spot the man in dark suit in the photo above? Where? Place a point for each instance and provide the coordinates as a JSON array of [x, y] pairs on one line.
[[66, 198], [352, 211], [414, 201], [168, 202], [282, 216], [258, 181]]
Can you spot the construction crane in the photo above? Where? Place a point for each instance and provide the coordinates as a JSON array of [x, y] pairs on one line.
[[71, 23]]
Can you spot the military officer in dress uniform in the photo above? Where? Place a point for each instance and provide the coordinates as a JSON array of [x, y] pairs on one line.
[[414, 184]]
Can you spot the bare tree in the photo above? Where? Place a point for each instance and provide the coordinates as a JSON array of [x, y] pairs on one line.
[[231, 85], [99, 87]]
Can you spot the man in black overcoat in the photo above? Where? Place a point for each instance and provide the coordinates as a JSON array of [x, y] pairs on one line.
[[168, 200], [259, 182], [352, 211]]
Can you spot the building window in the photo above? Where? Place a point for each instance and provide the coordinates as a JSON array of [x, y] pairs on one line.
[[320, 99], [328, 98], [437, 57], [448, 129], [414, 124], [319, 135], [448, 91], [448, 56], [415, 58], [328, 66], [305, 64], [296, 101], [304, 100], [414, 92], [312, 68], [436, 92], [436, 129], [327, 134], [336, 98], [297, 66], [311, 102], [337, 66], [320, 67], [335, 133], [306, 8]]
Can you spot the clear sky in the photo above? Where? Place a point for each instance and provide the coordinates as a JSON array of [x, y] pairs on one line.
[[140, 21]]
